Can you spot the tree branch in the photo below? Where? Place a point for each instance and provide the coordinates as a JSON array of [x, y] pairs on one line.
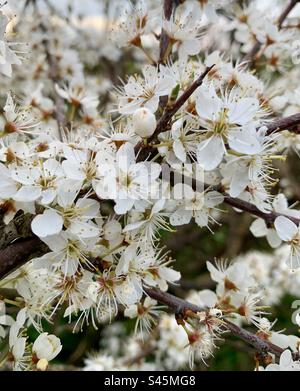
[[163, 122], [180, 307], [172, 110], [287, 123], [164, 38], [18, 253], [252, 209], [286, 12]]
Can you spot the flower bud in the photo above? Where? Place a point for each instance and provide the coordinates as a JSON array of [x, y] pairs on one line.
[[42, 364], [46, 347], [144, 122]]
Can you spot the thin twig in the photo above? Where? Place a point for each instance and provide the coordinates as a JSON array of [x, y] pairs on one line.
[[164, 38], [288, 123], [163, 122], [180, 307]]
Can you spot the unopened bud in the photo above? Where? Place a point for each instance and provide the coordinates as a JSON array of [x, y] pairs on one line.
[[144, 122], [42, 364]]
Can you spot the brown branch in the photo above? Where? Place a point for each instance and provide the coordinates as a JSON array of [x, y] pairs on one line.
[[180, 307], [164, 38], [256, 47], [287, 123], [163, 122], [18, 253], [172, 110], [253, 210], [286, 12], [19, 227]]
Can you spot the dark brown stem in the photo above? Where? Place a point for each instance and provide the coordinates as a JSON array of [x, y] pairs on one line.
[[288, 123], [164, 38], [252, 209], [286, 12], [180, 307], [163, 122], [172, 110], [18, 253]]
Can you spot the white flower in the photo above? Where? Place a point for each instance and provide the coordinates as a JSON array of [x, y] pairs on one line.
[[230, 119], [201, 345], [193, 204], [46, 224], [8, 187], [230, 279], [286, 363], [79, 164], [244, 170], [144, 91], [146, 223], [46, 346], [76, 94], [183, 29], [68, 252], [100, 362], [15, 119], [76, 216], [146, 315], [8, 57], [133, 23], [37, 180], [259, 227], [289, 232], [144, 122], [179, 143], [126, 181]]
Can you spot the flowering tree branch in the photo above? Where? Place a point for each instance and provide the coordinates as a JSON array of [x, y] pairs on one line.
[[163, 122], [252, 209], [60, 189], [181, 307], [287, 123], [11, 257], [256, 47]]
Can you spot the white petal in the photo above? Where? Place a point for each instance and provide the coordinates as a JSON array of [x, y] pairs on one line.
[[181, 216], [46, 224], [210, 153], [27, 194], [273, 238], [258, 228], [179, 150], [285, 228]]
